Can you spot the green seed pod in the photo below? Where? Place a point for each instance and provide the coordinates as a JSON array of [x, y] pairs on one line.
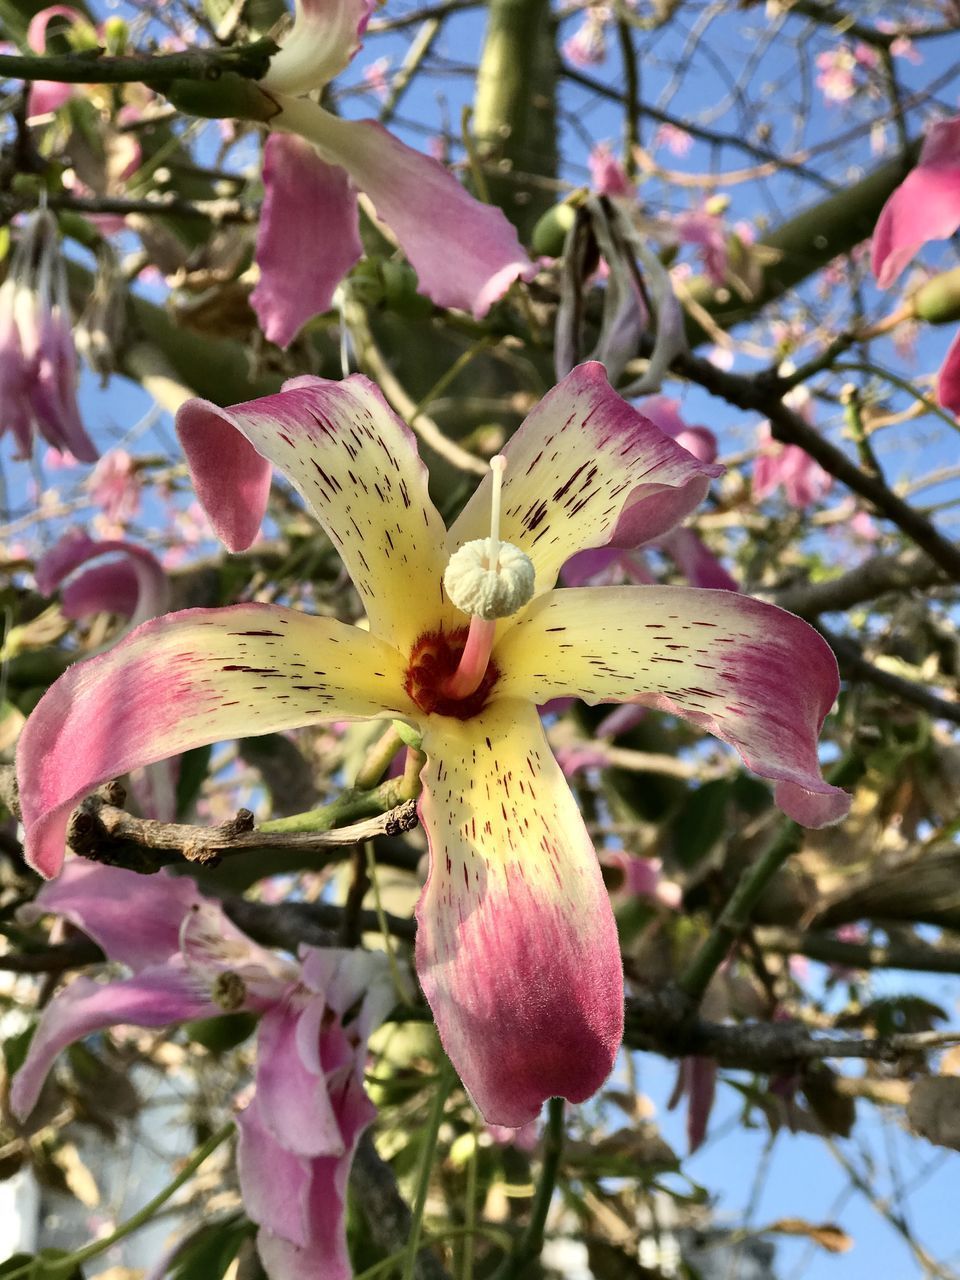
[[551, 230], [938, 301]]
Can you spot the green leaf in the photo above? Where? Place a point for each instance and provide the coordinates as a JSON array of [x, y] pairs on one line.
[[193, 770], [208, 1253], [701, 823]]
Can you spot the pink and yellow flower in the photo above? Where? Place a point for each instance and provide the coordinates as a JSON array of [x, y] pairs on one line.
[[516, 945]]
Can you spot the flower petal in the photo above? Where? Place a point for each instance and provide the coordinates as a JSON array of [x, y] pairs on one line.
[[156, 997], [136, 586], [356, 465], [578, 462], [190, 678], [748, 672], [517, 950], [466, 254], [274, 1182], [925, 206], [136, 919], [292, 1099], [696, 561], [325, 36], [299, 269]]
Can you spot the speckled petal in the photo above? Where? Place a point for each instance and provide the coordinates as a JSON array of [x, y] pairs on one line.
[[204, 675], [578, 461], [517, 949], [748, 672], [355, 463]]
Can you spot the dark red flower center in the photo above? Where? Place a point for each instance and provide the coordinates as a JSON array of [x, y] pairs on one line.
[[433, 659]]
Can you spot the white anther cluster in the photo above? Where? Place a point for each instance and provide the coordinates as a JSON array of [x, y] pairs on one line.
[[489, 592]]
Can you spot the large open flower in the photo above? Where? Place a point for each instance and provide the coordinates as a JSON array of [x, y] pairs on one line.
[[516, 946], [466, 254]]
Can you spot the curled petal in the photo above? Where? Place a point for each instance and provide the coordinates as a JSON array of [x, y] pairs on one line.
[[155, 997], [184, 680], [581, 459], [135, 586], [466, 254], [274, 1182], [299, 269], [925, 206], [517, 950], [751, 674], [325, 36], [356, 464], [696, 561], [103, 901]]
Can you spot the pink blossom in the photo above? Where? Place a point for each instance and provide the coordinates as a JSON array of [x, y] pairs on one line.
[[706, 230], [375, 77], [587, 47], [466, 254], [697, 1082], [642, 878], [607, 175], [45, 96], [115, 485], [835, 77], [787, 466], [676, 140], [299, 1132]]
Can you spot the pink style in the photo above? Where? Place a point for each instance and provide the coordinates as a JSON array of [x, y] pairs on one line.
[[517, 949]]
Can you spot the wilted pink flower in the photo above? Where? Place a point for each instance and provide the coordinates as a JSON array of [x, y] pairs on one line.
[[466, 254], [676, 140], [298, 1135], [517, 950], [524, 1139], [607, 175], [38, 361], [131, 583], [115, 485]]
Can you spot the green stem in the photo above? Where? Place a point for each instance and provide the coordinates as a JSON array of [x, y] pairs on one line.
[[93, 66], [377, 760], [444, 1085], [141, 1218], [735, 915], [350, 806], [530, 1243]]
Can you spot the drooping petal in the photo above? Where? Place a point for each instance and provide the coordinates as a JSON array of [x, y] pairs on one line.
[[190, 678], [300, 265], [581, 458], [751, 674], [466, 254], [292, 1098], [517, 950], [274, 1182], [136, 919], [356, 465], [324, 37], [948, 380], [925, 206], [155, 997]]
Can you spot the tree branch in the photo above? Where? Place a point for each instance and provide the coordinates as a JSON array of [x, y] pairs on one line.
[[94, 66]]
